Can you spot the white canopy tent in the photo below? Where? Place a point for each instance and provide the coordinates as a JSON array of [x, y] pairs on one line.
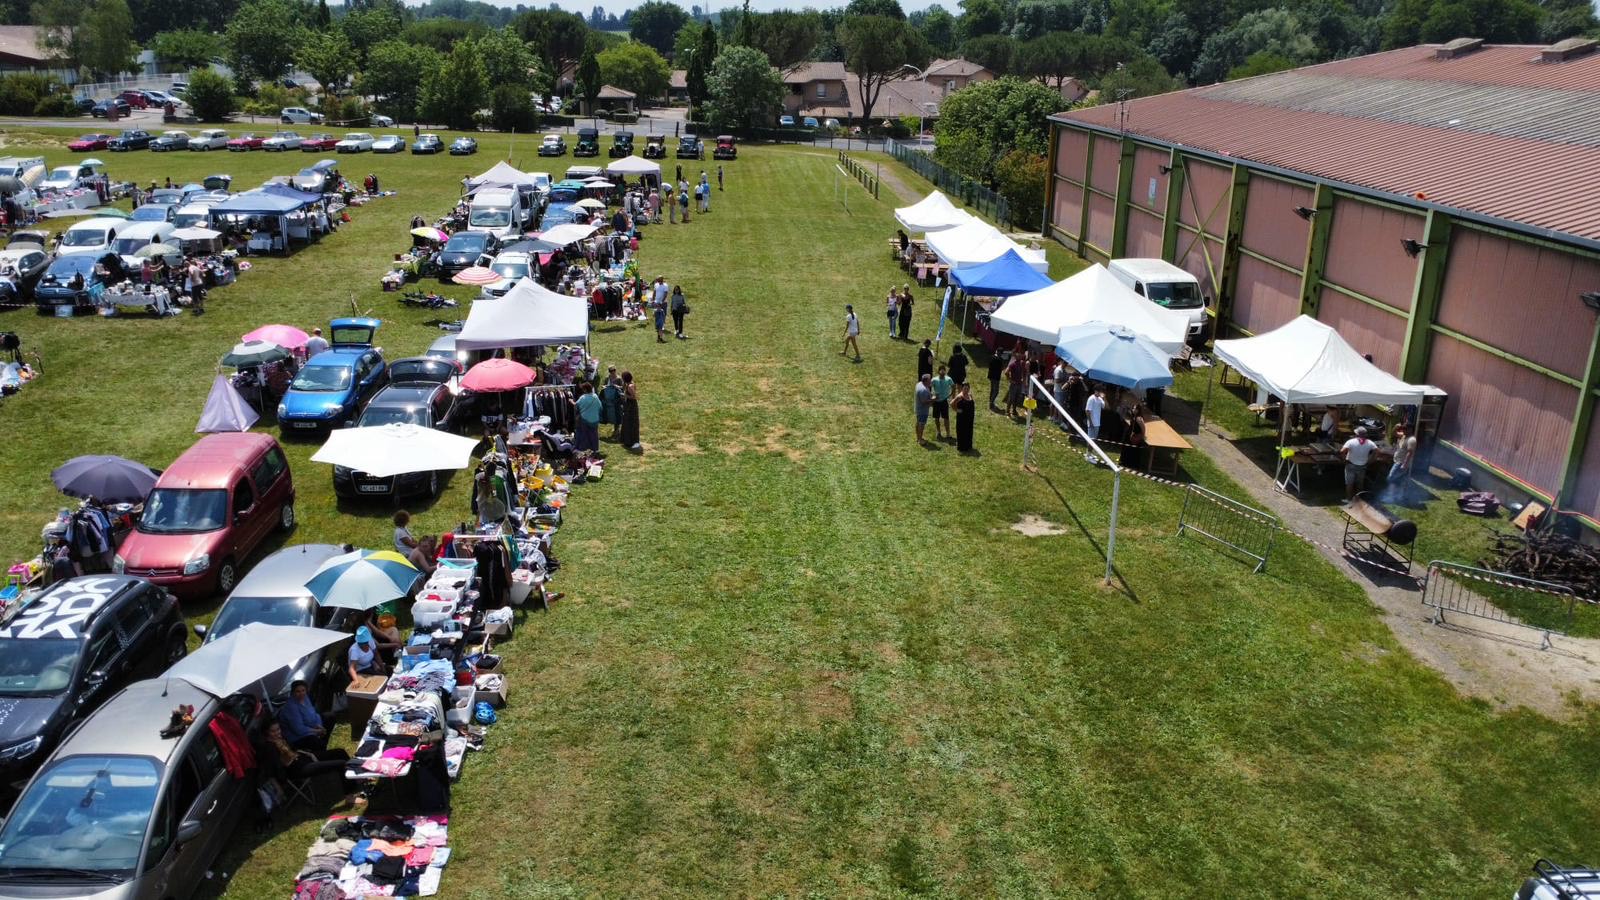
[[529, 315], [934, 212], [1093, 295], [634, 165], [501, 174], [1306, 361], [978, 242], [567, 233]]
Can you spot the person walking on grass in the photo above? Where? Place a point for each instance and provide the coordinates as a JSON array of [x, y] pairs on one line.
[[852, 329], [893, 304], [680, 308], [924, 403], [943, 385], [658, 305]]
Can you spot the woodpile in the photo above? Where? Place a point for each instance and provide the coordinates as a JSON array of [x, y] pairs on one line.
[[1548, 557]]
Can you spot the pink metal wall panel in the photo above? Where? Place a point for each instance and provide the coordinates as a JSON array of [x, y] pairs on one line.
[[1102, 220], [1520, 297], [1367, 328], [1510, 415], [1586, 493], [1149, 185], [1107, 161], [1072, 148], [1205, 197], [1271, 227], [1068, 212], [1191, 257], [1144, 234], [1265, 296], [1364, 252]]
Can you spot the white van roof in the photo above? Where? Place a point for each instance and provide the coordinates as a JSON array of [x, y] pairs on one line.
[[146, 230], [494, 197], [1152, 270], [103, 222]]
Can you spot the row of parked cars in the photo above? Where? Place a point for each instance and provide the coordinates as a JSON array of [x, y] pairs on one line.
[[655, 147], [218, 139], [130, 100]]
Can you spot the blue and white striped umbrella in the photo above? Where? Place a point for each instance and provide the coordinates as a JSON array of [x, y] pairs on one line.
[[1114, 354], [362, 579]]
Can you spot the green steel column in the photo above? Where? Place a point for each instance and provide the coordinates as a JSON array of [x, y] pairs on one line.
[[1176, 172], [1229, 279], [1316, 252], [1050, 185], [1088, 178], [1119, 231], [1425, 296], [1580, 421]]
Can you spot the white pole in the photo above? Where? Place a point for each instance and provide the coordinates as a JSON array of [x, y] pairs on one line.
[[1111, 541], [1027, 438]]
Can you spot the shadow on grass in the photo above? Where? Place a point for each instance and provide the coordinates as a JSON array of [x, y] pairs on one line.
[[1099, 550]]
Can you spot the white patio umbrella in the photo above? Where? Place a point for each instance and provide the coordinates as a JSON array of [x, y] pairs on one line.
[[396, 449], [590, 203], [248, 654], [196, 234]]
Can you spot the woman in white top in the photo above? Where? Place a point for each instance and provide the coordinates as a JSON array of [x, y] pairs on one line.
[[404, 542]]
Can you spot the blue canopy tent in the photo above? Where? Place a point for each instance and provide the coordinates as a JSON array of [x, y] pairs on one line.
[[1004, 276], [306, 198], [268, 218]]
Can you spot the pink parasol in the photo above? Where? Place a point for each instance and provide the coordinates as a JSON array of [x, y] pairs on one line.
[[477, 275], [286, 336], [497, 375]]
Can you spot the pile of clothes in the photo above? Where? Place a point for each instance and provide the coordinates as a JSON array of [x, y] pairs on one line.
[[375, 856]]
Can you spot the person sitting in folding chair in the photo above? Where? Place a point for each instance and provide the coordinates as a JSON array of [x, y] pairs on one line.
[[296, 768]]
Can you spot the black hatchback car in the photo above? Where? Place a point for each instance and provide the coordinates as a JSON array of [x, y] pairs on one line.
[[463, 250], [70, 649], [130, 140]]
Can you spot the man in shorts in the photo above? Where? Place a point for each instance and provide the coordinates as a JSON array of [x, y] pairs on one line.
[[924, 404], [943, 385], [1356, 452]]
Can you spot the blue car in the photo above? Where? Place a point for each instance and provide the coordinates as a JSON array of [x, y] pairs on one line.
[[71, 280], [328, 392], [560, 214]]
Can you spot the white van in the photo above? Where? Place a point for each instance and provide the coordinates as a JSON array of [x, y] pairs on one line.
[[501, 212], [93, 236], [138, 235], [1164, 284]]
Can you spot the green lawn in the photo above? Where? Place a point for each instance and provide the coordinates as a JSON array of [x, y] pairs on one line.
[[802, 655]]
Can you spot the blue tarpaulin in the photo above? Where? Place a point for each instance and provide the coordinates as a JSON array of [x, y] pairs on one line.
[[1004, 276], [284, 190], [256, 203]]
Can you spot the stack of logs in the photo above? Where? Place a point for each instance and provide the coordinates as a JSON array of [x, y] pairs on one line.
[[1548, 557]]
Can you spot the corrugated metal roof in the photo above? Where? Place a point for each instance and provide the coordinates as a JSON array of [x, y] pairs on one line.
[[1496, 132]]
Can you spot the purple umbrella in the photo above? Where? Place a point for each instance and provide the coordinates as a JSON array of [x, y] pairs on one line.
[[109, 479]]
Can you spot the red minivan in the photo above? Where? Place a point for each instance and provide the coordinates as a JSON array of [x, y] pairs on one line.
[[208, 512]]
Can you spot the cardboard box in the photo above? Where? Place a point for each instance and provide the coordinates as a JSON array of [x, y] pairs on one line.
[[362, 695], [495, 697]]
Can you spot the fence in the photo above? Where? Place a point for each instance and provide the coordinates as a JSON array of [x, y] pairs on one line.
[[1228, 522], [860, 173], [1449, 588], [954, 184]]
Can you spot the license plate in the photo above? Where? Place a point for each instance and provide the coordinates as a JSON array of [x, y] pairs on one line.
[[373, 488], [304, 424]]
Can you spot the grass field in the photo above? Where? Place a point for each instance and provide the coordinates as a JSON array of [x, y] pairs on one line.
[[801, 655]]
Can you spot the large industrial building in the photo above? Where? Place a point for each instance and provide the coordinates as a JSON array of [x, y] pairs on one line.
[[1438, 205]]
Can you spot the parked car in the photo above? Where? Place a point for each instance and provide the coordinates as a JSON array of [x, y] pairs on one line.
[[655, 146], [73, 646], [162, 98], [725, 148], [786, 121], [85, 104], [354, 142], [135, 99], [119, 812], [274, 593], [169, 196], [830, 123], [330, 388], [90, 142], [103, 107], [22, 263], [418, 393], [809, 122], [299, 115], [289, 83], [178, 86], [427, 143], [246, 142], [281, 141], [155, 212], [463, 146], [464, 249], [444, 347], [512, 266], [553, 145], [320, 142], [90, 237], [389, 143], [134, 139], [208, 512], [621, 145], [319, 178], [139, 235], [588, 143], [382, 121], [689, 147], [170, 140], [64, 178], [71, 280], [210, 139]]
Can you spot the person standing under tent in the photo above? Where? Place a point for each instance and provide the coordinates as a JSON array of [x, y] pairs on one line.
[[925, 359], [852, 329], [1357, 452], [1016, 374], [893, 304], [1059, 377], [1093, 409], [628, 435], [905, 313], [1133, 449], [965, 409], [943, 385], [1405, 451], [680, 308]]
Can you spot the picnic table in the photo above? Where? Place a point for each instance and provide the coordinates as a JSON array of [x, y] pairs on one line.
[[1318, 455]]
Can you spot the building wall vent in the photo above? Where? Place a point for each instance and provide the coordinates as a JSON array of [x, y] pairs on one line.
[[1571, 48], [1457, 48]]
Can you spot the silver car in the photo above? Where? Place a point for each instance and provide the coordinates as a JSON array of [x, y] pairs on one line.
[[119, 812]]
